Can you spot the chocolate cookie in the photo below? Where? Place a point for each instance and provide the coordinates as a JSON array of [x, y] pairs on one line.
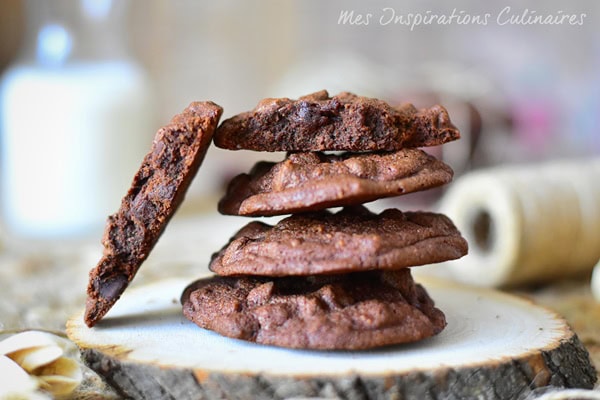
[[354, 239], [157, 190], [346, 122], [349, 312], [315, 181]]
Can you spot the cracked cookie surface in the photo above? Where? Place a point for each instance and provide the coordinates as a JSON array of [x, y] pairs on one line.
[[157, 190], [343, 312], [315, 181], [353, 239], [346, 122]]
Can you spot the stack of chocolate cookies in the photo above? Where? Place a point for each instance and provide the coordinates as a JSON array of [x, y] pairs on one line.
[[320, 279]]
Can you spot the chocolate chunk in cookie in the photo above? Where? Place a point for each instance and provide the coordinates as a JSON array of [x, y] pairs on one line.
[[345, 122], [345, 312], [315, 181], [157, 190], [354, 239]]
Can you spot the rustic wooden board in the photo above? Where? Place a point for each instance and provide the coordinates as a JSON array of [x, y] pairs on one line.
[[496, 346]]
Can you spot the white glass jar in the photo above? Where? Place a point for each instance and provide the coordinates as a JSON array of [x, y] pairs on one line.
[[76, 119]]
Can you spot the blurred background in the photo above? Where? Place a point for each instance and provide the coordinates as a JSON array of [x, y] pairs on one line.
[[86, 84]]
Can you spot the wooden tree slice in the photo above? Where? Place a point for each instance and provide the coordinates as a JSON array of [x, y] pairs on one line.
[[496, 346]]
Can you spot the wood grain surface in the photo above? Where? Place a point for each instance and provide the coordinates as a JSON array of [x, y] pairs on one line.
[[496, 346], [43, 283]]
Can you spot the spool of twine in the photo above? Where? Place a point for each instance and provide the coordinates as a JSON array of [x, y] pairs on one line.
[[526, 224]]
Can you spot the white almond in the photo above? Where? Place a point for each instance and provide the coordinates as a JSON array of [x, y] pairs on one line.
[[46, 358], [15, 380], [35, 357], [26, 340], [61, 376]]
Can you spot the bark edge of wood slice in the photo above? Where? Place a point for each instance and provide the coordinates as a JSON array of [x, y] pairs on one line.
[[496, 346]]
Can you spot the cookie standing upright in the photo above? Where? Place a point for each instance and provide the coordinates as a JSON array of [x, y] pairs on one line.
[[156, 192]]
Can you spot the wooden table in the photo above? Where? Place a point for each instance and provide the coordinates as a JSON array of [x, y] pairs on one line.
[[43, 284]]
